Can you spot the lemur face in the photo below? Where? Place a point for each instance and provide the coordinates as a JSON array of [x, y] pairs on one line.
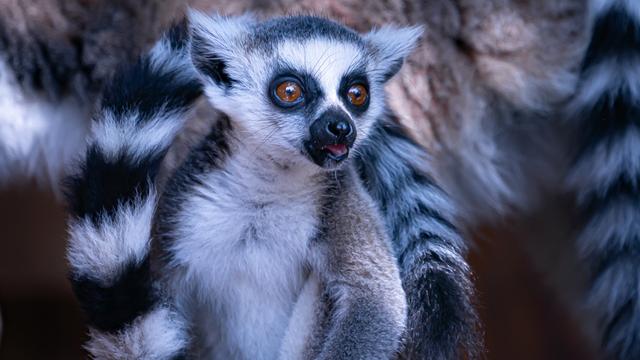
[[301, 86]]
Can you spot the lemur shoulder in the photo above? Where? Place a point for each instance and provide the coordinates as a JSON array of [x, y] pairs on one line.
[[266, 244]]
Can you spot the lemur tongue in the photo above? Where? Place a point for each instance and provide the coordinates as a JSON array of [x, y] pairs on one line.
[[337, 149]]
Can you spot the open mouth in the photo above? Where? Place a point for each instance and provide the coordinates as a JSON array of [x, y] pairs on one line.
[[336, 152], [327, 156], [331, 137]]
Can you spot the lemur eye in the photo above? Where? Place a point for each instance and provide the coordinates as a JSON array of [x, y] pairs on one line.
[[357, 95], [289, 91]]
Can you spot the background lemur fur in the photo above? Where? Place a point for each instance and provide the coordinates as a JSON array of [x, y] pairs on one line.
[[55, 56], [248, 220], [605, 173]]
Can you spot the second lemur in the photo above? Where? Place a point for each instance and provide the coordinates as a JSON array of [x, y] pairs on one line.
[[266, 244]]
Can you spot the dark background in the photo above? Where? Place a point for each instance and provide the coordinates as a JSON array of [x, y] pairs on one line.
[[522, 317]]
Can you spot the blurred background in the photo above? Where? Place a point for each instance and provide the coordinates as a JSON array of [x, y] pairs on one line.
[[522, 317]]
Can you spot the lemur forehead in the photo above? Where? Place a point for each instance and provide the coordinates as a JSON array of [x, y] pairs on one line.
[[268, 34], [322, 58]]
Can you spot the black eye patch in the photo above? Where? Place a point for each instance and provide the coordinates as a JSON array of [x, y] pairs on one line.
[[291, 90]]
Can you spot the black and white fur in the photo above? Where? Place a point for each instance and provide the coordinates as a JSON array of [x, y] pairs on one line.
[[55, 57], [113, 200], [606, 172], [260, 252], [39, 136]]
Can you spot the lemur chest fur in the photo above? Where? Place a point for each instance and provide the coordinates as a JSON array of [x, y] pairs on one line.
[[244, 236]]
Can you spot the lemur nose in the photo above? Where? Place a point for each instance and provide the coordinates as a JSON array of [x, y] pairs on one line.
[[339, 128]]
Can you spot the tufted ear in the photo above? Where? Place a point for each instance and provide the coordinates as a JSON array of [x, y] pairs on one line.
[[391, 45], [215, 41]]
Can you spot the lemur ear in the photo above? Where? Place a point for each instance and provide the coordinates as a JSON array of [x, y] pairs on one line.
[[391, 45], [214, 41]]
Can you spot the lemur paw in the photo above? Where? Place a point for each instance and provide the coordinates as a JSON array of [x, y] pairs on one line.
[[442, 321]]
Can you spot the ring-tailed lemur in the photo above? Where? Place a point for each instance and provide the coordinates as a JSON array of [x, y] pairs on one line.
[[606, 172], [265, 247]]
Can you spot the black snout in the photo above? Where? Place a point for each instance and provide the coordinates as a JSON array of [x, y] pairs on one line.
[[339, 128], [331, 128], [330, 137]]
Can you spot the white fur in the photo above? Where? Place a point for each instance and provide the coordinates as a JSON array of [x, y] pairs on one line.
[[328, 60], [218, 28], [241, 244], [38, 137], [606, 162], [101, 252], [117, 135], [165, 58], [158, 335], [257, 275], [224, 37], [600, 6], [609, 76], [302, 321], [392, 44]]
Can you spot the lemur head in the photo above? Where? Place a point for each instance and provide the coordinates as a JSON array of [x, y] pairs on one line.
[[302, 86]]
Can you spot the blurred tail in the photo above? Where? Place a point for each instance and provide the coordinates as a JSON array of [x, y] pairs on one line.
[[112, 199], [606, 172]]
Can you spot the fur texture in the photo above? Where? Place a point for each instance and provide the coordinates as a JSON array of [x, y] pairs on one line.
[[38, 137], [113, 200], [54, 59], [91, 41], [480, 93], [486, 76], [442, 320], [250, 205], [158, 334], [605, 173], [428, 246]]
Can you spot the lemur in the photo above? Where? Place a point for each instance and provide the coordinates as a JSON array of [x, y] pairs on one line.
[[266, 245]]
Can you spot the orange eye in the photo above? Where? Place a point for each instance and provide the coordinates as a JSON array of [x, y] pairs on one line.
[[357, 95], [288, 91]]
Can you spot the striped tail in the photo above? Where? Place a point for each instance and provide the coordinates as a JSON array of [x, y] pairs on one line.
[[431, 253], [112, 200], [606, 173]]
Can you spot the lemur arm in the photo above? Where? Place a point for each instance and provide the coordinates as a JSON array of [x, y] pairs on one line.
[[428, 247], [112, 200], [366, 312]]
